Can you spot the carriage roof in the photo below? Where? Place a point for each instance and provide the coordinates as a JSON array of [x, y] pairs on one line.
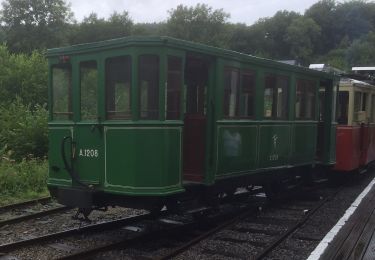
[[164, 41]]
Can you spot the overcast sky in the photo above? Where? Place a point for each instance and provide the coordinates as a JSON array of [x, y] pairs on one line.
[[241, 11]]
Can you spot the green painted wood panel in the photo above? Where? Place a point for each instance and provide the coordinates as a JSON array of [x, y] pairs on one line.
[[89, 162], [57, 173], [237, 149], [143, 160], [303, 143], [274, 145]]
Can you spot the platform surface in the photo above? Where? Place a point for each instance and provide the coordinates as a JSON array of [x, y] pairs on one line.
[[353, 237]]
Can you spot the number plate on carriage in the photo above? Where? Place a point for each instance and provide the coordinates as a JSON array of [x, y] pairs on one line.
[[92, 153]]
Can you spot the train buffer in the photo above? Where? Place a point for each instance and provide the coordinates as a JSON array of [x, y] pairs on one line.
[[353, 237]]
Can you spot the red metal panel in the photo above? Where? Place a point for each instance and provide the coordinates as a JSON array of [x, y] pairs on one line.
[[365, 144], [370, 153], [348, 148]]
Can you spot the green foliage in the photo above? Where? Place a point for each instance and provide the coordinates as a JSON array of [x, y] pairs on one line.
[[320, 32], [93, 28], [150, 29], [301, 35], [336, 58], [23, 76], [23, 180], [35, 24], [362, 51], [200, 24], [266, 38], [23, 132]]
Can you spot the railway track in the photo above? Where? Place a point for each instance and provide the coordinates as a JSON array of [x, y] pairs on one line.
[[172, 229], [25, 203], [87, 231], [175, 237], [237, 225], [32, 209], [6, 248], [187, 234]]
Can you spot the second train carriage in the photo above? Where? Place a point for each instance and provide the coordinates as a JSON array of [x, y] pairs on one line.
[[355, 143], [142, 121]]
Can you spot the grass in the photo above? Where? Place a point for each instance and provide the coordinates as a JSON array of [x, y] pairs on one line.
[[23, 180]]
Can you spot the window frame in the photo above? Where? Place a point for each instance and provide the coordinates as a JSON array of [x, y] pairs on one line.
[[306, 85], [240, 102], [139, 88], [180, 90], [97, 88], [347, 108], [131, 88], [237, 97], [274, 94], [70, 112]]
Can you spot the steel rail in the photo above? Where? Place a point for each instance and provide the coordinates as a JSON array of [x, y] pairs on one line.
[[152, 235], [228, 219], [201, 237], [291, 230], [33, 215], [4, 248], [25, 203]]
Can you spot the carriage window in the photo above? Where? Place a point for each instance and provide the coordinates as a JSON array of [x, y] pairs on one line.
[[173, 90], [343, 104], [305, 99], [357, 101], [118, 87], [149, 86], [89, 90], [276, 97], [357, 104], [247, 93], [61, 92], [364, 99], [231, 92]]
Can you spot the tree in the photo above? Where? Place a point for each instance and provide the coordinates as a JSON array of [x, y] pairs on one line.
[[362, 51], [323, 13], [149, 29], [35, 24], [23, 76], [200, 24], [94, 29], [301, 35], [354, 19], [265, 38]]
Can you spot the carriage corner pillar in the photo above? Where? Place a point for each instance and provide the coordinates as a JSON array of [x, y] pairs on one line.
[[329, 120]]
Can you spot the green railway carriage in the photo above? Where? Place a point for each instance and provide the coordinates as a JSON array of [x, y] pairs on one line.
[[140, 121]]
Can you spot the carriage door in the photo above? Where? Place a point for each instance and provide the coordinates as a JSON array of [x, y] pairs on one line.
[[326, 139], [88, 135], [196, 81]]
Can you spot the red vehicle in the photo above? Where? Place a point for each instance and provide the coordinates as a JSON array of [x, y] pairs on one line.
[[355, 136]]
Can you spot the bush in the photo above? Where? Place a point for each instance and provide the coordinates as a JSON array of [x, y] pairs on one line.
[[23, 131], [25, 179], [23, 76]]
